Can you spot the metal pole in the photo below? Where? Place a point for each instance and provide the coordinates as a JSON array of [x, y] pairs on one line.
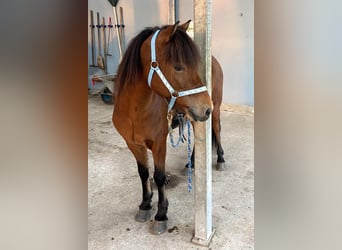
[[172, 11], [176, 10], [203, 163]]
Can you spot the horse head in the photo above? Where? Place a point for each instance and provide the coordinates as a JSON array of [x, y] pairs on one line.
[[171, 62]]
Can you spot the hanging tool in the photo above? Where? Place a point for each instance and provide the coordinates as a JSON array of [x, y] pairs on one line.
[[92, 26], [100, 61], [122, 33], [114, 3], [104, 43], [110, 26]]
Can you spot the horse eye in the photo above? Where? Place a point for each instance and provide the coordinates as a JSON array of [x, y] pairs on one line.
[[178, 68]]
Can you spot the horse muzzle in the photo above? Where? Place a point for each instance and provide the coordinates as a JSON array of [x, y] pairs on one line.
[[199, 114]]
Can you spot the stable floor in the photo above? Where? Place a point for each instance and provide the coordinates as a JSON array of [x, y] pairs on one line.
[[114, 189]]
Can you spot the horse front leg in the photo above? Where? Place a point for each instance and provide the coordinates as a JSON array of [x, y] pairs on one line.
[[145, 207], [159, 225]]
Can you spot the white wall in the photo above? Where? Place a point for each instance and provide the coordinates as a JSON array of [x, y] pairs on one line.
[[232, 45], [232, 33]]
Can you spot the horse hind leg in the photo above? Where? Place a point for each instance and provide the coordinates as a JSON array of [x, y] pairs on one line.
[[192, 159], [216, 137], [220, 165], [216, 126], [145, 207]]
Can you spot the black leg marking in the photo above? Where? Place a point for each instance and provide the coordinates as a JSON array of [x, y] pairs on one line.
[[146, 187], [220, 154], [216, 137], [163, 204]]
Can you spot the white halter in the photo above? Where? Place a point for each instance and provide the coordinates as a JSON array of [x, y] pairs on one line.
[[155, 68]]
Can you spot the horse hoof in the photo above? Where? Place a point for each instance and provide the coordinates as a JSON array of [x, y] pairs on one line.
[[159, 227], [143, 215], [221, 166]]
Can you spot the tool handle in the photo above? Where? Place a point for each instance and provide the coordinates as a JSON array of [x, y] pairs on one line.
[[91, 20], [110, 22], [92, 26], [98, 34]]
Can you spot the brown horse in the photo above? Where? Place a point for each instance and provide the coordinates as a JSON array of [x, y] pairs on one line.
[[158, 74]]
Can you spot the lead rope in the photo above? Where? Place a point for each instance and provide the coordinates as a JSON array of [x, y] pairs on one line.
[[182, 138]]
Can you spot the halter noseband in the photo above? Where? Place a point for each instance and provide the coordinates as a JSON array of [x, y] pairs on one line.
[[155, 68]]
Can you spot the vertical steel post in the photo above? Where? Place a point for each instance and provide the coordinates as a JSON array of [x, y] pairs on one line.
[[176, 10], [203, 162], [172, 12]]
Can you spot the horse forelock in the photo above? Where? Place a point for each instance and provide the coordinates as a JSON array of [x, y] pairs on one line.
[[181, 49]]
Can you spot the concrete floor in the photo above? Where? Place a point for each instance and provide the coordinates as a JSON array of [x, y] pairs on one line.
[[114, 190]]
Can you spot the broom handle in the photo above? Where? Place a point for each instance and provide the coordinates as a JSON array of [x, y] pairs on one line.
[[117, 31]]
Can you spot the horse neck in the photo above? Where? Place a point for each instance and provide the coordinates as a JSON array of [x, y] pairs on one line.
[[143, 97]]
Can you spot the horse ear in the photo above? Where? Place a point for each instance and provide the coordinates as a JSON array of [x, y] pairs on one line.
[[171, 30], [185, 26]]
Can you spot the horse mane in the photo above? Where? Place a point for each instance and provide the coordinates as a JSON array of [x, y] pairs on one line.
[[131, 67]]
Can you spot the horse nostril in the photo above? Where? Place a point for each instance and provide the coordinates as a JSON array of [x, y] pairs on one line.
[[207, 112]]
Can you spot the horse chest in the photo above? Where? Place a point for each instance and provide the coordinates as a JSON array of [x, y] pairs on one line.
[[137, 125]]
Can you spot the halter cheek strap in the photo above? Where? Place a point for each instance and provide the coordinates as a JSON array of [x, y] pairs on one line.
[[155, 68]]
